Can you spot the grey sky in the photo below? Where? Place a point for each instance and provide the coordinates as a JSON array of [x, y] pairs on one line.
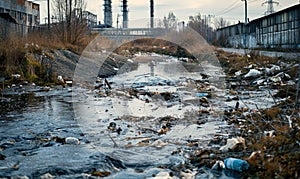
[[232, 10]]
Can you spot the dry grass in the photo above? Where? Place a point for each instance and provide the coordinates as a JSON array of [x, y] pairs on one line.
[[14, 52]]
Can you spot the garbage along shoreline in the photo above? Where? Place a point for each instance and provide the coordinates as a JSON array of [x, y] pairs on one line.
[[254, 132]]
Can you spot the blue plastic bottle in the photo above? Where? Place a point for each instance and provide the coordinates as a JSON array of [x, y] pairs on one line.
[[236, 164]]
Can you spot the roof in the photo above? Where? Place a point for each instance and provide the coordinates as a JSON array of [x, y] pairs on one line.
[[297, 6]]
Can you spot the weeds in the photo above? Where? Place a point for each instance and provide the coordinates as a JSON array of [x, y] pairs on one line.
[[31, 56]]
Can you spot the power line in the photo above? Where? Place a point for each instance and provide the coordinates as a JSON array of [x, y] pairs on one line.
[[235, 7], [230, 6]]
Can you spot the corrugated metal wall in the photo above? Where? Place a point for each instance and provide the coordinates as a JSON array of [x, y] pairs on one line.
[[278, 30]]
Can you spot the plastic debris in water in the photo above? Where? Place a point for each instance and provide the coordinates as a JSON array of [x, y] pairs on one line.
[[202, 94], [236, 164], [72, 141]]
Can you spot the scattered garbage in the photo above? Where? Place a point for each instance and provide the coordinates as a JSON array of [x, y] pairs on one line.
[[252, 73], [72, 141], [233, 143], [218, 165], [47, 176], [163, 175], [236, 164], [17, 76], [202, 94]]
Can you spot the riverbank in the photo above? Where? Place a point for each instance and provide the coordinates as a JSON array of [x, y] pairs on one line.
[[160, 119]]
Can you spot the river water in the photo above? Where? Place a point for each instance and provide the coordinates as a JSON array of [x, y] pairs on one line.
[[133, 130]]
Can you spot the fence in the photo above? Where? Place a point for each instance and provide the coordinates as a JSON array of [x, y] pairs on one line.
[[277, 30]]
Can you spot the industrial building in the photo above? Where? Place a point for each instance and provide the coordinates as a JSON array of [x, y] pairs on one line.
[[91, 19], [108, 22], [277, 30], [23, 11], [87, 16], [17, 17]]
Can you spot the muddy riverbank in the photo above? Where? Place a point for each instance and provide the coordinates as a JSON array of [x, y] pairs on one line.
[[161, 119]]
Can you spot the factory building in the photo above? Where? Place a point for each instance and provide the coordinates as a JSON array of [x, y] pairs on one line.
[[17, 17], [23, 11], [277, 30]]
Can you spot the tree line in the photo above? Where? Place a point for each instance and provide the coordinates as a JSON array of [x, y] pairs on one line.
[[205, 25]]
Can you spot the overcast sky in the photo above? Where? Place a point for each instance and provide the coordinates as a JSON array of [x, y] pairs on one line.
[[232, 10]]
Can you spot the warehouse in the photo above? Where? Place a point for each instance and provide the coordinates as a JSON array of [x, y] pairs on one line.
[[277, 30]]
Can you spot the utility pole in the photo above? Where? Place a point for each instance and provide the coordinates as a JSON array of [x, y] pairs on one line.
[[48, 6], [246, 11], [270, 8]]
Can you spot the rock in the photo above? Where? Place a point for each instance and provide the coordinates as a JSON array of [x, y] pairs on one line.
[[233, 143], [46, 176], [236, 164], [176, 161], [72, 141], [2, 157]]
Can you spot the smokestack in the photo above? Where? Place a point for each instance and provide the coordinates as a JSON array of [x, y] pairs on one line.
[[152, 13], [107, 12], [125, 13]]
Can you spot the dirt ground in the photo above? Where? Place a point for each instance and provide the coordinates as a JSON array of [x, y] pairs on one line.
[[271, 136]]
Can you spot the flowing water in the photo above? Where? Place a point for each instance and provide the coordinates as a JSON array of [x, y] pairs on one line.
[[131, 130]]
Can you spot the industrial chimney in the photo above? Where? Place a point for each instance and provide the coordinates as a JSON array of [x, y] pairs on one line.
[[125, 13], [107, 12], [151, 13]]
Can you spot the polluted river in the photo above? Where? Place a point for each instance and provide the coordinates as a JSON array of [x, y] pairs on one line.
[[142, 123]]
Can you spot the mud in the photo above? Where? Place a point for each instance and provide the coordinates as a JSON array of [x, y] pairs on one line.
[[167, 120]]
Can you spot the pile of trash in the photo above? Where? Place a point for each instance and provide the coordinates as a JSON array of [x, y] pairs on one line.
[[266, 137]]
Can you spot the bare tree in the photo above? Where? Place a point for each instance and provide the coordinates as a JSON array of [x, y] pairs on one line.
[[221, 23], [168, 22], [202, 26], [70, 24]]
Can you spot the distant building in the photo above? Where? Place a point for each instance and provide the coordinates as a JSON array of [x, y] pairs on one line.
[[90, 18], [25, 12], [17, 17], [277, 30]]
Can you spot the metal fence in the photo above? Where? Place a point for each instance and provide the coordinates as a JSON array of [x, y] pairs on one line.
[[277, 30]]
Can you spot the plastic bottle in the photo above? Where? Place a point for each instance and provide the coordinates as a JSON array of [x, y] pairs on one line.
[[236, 164]]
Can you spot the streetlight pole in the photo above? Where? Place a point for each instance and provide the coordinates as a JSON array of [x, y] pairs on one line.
[[48, 6]]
